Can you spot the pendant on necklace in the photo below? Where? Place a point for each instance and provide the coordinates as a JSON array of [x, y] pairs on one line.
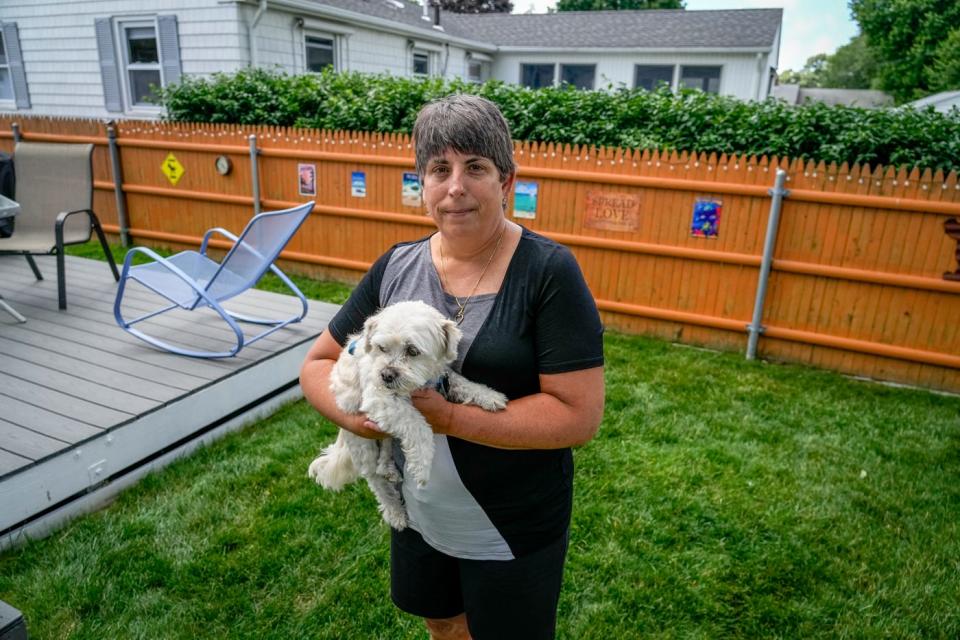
[[459, 316]]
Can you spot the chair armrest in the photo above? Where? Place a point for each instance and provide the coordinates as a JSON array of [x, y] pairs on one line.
[[274, 268], [62, 218], [210, 232]]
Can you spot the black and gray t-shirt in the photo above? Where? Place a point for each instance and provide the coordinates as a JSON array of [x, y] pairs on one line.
[[481, 502]]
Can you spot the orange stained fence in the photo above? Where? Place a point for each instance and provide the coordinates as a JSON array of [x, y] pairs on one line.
[[670, 243]]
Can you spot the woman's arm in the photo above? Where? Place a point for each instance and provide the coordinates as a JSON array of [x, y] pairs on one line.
[[566, 412], [315, 382]]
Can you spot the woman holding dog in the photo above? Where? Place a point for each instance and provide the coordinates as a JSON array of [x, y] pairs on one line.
[[484, 553]]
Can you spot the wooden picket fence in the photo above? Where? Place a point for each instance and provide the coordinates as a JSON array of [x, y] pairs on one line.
[[858, 275]]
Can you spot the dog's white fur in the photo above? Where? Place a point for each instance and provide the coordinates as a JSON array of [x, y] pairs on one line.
[[404, 347]]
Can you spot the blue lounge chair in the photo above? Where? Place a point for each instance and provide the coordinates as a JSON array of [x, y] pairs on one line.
[[191, 280]]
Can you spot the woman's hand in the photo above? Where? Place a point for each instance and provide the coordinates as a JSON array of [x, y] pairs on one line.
[[366, 428], [315, 382], [435, 408]]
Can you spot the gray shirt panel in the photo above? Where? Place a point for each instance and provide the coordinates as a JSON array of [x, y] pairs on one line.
[[444, 512]]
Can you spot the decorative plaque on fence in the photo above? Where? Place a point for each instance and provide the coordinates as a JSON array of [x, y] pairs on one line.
[[612, 211]]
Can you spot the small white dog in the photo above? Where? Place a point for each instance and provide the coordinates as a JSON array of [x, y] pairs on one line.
[[404, 347]]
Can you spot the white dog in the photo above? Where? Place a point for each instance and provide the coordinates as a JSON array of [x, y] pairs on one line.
[[404, 347]]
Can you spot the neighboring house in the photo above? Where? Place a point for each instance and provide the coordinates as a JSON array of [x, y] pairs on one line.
[[98, 58], [868, 98], [942, 102]]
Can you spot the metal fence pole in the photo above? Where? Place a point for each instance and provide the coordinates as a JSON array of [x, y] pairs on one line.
[[16, 133], [121, 197], [254, 173], [755, 328]]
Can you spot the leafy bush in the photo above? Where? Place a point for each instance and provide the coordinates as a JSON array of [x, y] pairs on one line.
[[617, 117]]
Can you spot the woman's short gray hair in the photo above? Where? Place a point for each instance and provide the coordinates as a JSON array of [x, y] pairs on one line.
[[466, 124]]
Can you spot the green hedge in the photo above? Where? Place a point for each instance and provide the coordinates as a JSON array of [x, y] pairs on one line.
[[619, 117]]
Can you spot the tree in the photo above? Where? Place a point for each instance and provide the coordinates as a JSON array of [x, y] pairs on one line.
[[912, 40], [852, 66], [617, 5], [810, 76], [477, 6], [944, 73]]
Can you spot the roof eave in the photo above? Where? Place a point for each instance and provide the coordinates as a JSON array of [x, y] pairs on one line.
[[526, 49], [380, 24]]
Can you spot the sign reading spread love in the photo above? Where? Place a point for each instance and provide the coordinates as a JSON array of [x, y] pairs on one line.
[[612, 211]]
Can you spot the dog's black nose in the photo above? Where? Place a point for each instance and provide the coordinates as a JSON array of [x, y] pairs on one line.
[[388, 375]]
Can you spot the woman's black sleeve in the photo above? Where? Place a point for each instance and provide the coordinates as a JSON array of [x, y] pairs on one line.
[[569, 334], [362, 303]]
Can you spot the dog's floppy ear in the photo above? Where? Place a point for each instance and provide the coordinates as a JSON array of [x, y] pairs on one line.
[[451, 336], [368, 328]]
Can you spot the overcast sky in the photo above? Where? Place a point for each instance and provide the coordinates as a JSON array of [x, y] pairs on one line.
[[809, 26]]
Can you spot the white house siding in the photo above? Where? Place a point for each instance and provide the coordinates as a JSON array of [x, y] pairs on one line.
[[60, 51], [378, 52], [279, 42], [737, 77]]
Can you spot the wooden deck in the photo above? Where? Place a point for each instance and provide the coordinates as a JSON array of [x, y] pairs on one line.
[[86, 409]]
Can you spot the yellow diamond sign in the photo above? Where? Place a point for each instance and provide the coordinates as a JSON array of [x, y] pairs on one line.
[[172, 168]]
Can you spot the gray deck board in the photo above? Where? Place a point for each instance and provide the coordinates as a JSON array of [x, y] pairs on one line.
[[26, 443], [79, 386], [63, 402], [85, 355], [10, 462], [46, 420], [82, 400], [52, 361]]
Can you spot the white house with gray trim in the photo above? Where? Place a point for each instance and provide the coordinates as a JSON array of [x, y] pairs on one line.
[[98, 58]]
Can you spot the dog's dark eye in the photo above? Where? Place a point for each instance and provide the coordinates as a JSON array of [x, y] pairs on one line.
[[412, 351], [382, 348]]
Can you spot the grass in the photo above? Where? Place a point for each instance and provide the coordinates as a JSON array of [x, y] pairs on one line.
[[720, 499]]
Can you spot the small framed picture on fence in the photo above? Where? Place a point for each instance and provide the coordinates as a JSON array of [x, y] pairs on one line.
[[525, 200], [307, 177], [706, 218]]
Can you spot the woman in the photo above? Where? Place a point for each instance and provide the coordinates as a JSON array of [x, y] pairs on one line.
[[483, 556]]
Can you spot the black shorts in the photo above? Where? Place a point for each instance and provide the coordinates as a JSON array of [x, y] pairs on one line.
[[502, 599]]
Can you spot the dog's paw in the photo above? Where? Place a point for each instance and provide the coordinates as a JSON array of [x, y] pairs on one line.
[[316, 468], [395, 516], [330, 473], [493, 401], [390, 472]]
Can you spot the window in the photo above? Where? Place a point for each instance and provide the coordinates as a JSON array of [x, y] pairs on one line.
[[319, 53], [477, 71], [13, 79], [652, 76], [421, 63], [6, 80], [536, 76], [135, 55], [142, 60], [478, 66], [704, 78], [579, 75]]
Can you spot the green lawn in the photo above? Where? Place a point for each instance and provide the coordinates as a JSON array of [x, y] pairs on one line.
[[720, 499]]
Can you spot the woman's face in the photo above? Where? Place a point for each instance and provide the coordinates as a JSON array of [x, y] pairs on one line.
[[463, 193]]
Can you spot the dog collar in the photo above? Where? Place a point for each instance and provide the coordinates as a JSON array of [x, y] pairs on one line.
[[442, 385]]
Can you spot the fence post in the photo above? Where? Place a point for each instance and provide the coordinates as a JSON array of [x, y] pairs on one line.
[[254, 173], [755, 328], [121, 197], [16, 133]]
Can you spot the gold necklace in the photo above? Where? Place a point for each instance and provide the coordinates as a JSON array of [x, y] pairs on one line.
[[443, 267]]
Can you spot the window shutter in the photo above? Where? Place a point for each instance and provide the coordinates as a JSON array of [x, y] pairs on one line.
[[11, 38], [109, 69], [169, 48]]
